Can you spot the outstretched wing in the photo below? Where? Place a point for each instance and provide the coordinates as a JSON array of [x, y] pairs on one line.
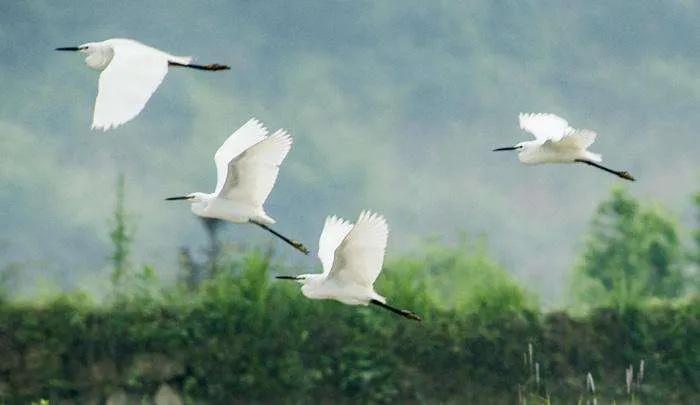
[[243, 138], [127, 83], [252, 174], [578, 139], [334, 231], [544, 126], [359, 257]]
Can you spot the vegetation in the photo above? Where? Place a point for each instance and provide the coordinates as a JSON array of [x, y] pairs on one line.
[[633, 253], [120, 236], [238, 334], [245, 337], [235, 333]]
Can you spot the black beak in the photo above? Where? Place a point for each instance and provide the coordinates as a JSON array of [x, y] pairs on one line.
[[69, 48], [506, 148], [184, 197], [287, 277]]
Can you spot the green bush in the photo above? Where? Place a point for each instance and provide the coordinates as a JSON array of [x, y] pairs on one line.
[[244, 337], [633, 253]]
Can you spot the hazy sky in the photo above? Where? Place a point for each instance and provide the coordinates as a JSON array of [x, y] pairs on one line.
[[393, 105]]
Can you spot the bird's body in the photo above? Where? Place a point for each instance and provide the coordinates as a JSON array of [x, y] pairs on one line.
[[320, 287], [212, 206], [352, 257], [130, 73], [100, 54], [556, 142], [247, 165]]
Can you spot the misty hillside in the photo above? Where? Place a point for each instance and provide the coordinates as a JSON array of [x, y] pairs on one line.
[[393, 106]]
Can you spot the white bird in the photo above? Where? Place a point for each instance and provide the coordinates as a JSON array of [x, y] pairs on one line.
[[131, 73], [556, 142], [352, 257], [247, 165]]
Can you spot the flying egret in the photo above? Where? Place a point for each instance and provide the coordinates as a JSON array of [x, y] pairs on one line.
[[352, 257], [247, 165], [556, 142], [131, 73]]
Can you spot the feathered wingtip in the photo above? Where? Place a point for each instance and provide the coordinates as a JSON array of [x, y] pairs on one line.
[[333, 220], [254, 123], [374, 218], [282, 136]]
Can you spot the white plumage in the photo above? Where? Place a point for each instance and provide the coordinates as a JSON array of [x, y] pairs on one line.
[[130, 74], [352, 258], [247, 165], [334, 231], [556, 142]]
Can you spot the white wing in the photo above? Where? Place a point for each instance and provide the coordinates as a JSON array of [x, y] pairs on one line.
[[544, 126], [243, 138], [126, 84], [578, 139], [359, 258], [334, 231], [252, 174]]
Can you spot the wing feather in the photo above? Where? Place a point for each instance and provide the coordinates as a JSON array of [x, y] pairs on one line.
[[127, 83], [544, 126], [243, 138], [578, 138], [360, 256], [334, 231], [252, 174]]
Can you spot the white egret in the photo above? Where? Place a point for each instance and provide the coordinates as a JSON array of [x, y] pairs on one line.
[[247, 165], [556, 142], [352, 257], [130, 73]]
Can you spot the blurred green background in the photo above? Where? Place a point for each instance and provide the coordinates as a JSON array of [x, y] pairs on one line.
[[394, 106]]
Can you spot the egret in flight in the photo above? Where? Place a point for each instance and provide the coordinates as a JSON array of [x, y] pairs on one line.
[[131, 73], [247, 165], [556, 142], [352, 257]]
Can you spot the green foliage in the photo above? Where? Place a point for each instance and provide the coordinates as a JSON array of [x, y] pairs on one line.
[[120, 236], [696, 232], [245, 337], [633, 253]]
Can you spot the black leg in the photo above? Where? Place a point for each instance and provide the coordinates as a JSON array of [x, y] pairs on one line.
[[625, 175], [211, 67], [297, 245], [402, 312]]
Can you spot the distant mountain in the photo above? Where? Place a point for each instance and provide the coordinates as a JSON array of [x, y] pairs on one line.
[[393, 105]]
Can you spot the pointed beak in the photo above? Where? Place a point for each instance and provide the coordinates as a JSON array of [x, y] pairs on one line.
[[183, 197], [505, 148], [287, 278], [69, 48]]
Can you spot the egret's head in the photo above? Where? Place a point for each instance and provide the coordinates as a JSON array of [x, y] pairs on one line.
[[191, 198]]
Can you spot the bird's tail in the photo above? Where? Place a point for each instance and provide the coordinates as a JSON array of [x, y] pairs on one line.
[[378, 297], [263, 218], [594, 157], [183, 60]]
